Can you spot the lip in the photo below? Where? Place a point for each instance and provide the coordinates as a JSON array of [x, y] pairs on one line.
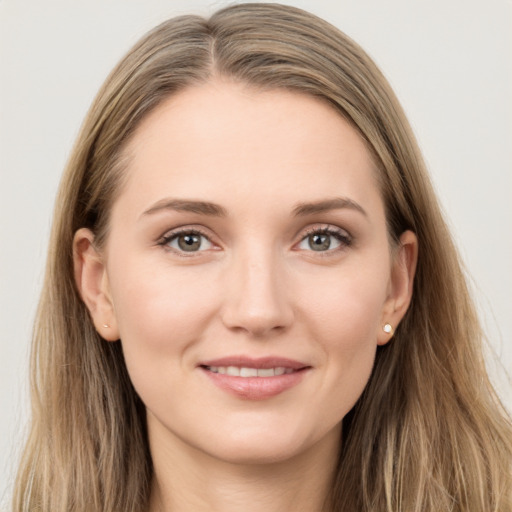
[[258, 362], [255, 388]]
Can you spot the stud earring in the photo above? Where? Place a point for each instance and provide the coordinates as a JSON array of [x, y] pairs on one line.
[[388, 329]]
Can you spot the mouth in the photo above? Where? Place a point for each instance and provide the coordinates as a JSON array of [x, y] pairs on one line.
[[244, 371], [254, 379]]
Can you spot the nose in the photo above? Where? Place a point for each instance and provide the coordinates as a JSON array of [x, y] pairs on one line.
[[256, 299]]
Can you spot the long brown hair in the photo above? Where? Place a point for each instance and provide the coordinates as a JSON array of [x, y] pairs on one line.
[[428, 433]]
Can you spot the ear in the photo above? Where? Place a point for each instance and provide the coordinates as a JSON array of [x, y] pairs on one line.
[[400, 286], [92, 282]]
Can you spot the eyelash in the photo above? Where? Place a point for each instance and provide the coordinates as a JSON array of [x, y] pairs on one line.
[[340, 235], [169, 237]]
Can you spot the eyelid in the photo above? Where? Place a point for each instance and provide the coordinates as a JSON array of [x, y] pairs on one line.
[[172, 234], [342, 235], [325, 228]]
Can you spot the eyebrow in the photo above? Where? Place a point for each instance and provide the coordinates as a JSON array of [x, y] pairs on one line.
[[215, 210], [325, 205], [186, 205]]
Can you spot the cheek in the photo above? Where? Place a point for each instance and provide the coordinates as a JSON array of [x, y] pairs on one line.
[[346, 306], [160, 308], [161, 312], [344, 316]]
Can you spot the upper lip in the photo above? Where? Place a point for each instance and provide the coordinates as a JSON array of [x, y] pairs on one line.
[[258, 362]]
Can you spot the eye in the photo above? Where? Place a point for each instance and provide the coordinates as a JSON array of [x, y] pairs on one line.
[[187, 241], [325, 239]]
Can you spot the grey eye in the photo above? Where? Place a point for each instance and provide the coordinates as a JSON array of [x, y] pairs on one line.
[[319, 242], [189, 242]]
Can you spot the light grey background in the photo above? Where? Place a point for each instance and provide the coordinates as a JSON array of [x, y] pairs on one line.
[[450, 62]]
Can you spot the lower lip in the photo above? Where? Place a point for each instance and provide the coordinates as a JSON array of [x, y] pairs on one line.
[[256, 388]]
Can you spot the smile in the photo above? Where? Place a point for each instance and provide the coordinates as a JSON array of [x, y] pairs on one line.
[[243, 371], [247, 378]]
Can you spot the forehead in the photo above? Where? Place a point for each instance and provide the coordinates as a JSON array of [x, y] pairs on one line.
[[222, 137]]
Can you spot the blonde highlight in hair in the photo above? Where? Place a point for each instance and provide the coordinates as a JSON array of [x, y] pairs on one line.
[[428, 433]]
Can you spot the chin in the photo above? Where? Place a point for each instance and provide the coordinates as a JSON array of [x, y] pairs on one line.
[[268, 445], [254, 454]]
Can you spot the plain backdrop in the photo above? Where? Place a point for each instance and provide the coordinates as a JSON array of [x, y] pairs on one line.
[[450, 62]]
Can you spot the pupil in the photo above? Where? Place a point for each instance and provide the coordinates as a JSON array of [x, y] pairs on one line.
[[189, 242], [319, 242]]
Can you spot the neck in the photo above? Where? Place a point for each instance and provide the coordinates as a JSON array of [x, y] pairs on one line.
[[188, 479]]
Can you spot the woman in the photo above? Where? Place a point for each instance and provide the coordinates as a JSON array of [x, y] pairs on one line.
[[252, 299]]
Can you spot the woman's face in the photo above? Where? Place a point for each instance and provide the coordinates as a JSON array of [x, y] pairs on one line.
[[247, 272]]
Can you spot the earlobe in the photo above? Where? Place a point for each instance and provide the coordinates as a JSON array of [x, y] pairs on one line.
[[92, 283], [401, 285]]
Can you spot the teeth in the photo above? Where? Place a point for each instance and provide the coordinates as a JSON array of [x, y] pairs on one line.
[[235, 371], [267, 372], [248, 372]]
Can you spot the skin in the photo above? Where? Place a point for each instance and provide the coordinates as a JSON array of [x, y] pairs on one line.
[[254, 287]]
